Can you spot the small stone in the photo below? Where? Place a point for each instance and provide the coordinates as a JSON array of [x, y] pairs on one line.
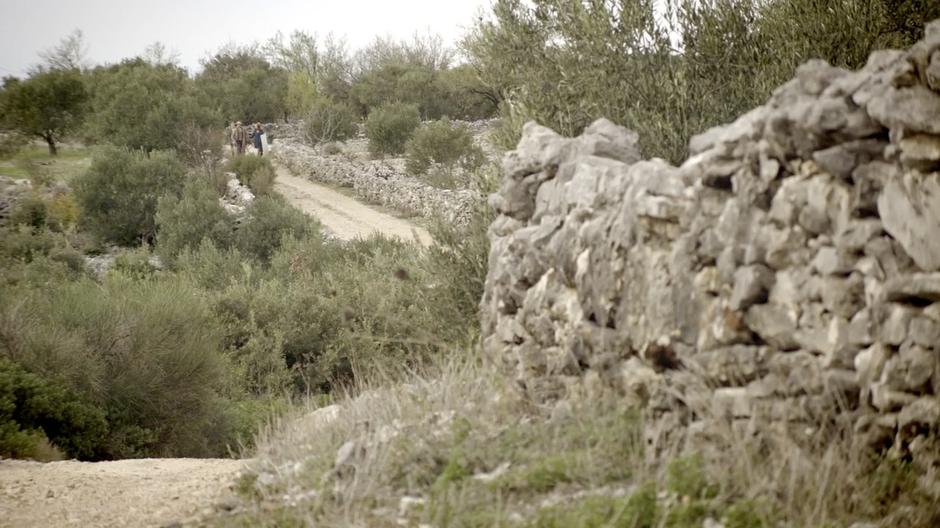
[[856, 234], [921, 413], [909, 370], [869, 364], [894, 329], [345, 454], [830, 261], [925, 332], [909, 207], [917, 286], [751, 284], [860, 328], [911, 108], [920, 151], [773, 325], [733, 401], [885, 399]]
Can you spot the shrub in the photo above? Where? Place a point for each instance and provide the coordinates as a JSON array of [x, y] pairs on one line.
[[210, 267], [444, 143], [30, 211], [329, 120], [458, 260], [270, 220], [33, 409], [119, 192], [134, 263], [390, 126], [23, 243], [186, 221], [254, 171], [146, 352], [62, 212]]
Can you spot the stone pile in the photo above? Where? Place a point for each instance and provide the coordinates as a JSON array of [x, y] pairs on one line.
[[790, 266], [378, 181], [237, 196]]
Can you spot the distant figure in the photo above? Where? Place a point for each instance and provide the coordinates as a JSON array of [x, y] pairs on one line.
[[241, 138], [231, 136], [256, 136]]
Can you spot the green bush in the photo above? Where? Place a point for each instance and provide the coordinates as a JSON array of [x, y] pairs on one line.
[[445, 143], [210, 267], [33, 408], [390, 126], [329, 120], [269, 220], [119, 193], [185, 221], [147, 352], [29, 210], [254, 171], [62, 213], [134, 263]]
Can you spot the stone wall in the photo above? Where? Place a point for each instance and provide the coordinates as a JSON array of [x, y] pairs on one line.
[[383, 182], [790, 267]]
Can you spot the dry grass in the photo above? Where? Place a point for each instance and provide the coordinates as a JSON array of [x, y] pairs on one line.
[[455, 446]]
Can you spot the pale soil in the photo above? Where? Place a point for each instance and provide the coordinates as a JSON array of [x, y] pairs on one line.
[[345, 217], [145, 492]]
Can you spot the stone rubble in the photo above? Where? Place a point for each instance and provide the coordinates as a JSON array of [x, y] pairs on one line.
[[789, 268]]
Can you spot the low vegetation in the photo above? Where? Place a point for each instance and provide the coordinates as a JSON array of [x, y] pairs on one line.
[[256, 172], [389, 128], [445, 144], [187, 357], [328, 121], [457, 446]]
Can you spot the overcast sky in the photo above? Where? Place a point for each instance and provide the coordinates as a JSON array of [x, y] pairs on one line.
[[115, 29]]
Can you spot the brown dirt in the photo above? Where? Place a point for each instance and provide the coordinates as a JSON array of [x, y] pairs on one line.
[[144, 492]]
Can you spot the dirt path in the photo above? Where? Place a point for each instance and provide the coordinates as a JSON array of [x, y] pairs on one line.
[[345, 217], [147, 492]]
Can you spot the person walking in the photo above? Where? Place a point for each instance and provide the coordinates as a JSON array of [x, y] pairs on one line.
[[256, 136], [231, 135], [241, 137]]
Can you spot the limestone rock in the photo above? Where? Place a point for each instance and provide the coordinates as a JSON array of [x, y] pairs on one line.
[[751, 285], [910, 209]]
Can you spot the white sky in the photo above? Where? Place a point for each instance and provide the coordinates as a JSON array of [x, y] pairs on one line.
[[115, 29]]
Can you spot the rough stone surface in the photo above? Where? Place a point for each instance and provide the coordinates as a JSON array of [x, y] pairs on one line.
[[789, 269]]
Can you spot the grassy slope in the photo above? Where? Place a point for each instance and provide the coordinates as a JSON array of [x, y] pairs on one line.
[[458, 448]]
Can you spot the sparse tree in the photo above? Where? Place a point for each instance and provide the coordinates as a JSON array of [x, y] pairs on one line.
[[48, 105], [70, 54], [157, 54]]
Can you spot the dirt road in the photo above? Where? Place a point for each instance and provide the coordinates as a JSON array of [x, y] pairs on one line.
[[345, 217], [147, 492]]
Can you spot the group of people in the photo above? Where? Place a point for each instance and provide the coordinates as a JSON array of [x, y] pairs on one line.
[[242, 134]]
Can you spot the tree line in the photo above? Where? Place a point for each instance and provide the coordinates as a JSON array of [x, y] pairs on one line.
[[151, 103]]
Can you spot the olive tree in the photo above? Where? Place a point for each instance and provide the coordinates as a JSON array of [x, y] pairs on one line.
[[46, 105]]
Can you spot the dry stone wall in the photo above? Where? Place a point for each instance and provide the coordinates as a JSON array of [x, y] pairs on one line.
[[790, 267]]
